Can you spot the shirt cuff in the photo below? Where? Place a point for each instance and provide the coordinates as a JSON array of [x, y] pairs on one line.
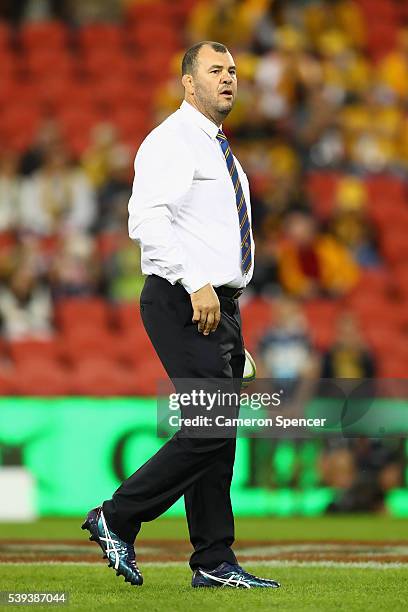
[[193, 284], [190, 278]]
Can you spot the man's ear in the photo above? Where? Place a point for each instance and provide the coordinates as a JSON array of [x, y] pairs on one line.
[[188, 83]]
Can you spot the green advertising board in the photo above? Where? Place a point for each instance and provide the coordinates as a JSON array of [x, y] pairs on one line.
[[80, 449]]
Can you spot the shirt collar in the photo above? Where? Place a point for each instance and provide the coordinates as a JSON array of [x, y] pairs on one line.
[[199, 119]]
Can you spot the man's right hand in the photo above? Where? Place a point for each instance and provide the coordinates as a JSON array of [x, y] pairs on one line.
[[206, 309]]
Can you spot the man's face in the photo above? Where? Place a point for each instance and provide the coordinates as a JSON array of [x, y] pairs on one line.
[[215, 82]]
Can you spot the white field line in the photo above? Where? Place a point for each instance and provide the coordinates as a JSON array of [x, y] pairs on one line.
[[323, 549], [261, 563]]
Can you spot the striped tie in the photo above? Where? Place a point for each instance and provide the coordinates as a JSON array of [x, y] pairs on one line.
[[244, 224]]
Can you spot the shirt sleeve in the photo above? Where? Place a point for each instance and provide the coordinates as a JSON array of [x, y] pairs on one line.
[[164, 173]]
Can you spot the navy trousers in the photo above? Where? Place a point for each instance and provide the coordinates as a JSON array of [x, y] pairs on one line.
[[199, 468]]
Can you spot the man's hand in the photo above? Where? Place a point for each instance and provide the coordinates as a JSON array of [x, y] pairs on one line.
[[206, 307]]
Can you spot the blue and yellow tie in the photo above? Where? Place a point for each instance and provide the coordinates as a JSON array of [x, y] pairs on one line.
[[244, 224]]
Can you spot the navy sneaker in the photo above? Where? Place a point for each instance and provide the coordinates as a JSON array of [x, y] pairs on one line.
[[229, 575], [121, 556]]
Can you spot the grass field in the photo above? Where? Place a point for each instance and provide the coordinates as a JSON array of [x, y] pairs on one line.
[[327, 563]]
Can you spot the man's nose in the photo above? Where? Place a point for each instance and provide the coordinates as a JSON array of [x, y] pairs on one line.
[[226, 77]]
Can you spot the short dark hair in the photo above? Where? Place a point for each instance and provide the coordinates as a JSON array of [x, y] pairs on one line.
[[189, 62]]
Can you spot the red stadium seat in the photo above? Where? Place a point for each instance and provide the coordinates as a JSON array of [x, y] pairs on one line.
[[10, 64], [139, 96], [88, 341], [373, 282], [147, 37], [140, 13], [103, 378], [157, 64], [49, 245], [394, 245], [132, 123], [179, 11], [73, 313], [388, 215], [7, 242], [77, 143], [108, 243], [45, 34], [383, 338], [133, 141], [385, 188], [322, 335], [113, 92], [400, 278], [127, 316], [40, 63], [80, 96], [7, 383], [393, 366], [29, 350], [5, 35], [148, 377], [100, 35], [54, 91], [321, 316], [321, 310], [400, 311], [42, 377], [257, 316], [76, 121], [402, 9], [9, 89], [134, 347], [370, 308], [104, 64], [321, 187], [20, 124], [27, 91]]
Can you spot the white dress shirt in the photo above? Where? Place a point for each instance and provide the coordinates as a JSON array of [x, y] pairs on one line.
[[183, 211]]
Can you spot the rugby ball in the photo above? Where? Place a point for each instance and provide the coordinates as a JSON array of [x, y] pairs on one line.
[[249, 370]]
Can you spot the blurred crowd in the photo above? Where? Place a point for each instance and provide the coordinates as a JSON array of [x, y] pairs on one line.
[[64, 229], [323, 91], [315, 94]]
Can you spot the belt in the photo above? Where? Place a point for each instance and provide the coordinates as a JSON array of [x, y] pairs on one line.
[[232, 293]]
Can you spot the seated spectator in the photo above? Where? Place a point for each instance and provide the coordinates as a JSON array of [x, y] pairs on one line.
[[311, 263], [353, 230], [285, 350], [320, 141], [33, 10], [265, 30], [57, 198], [97, 158], [265, 279], [123, 275], [113, 195], [75, 271], [282, 189], [350, 223], [392, 70], [47, 138], [348, 357], [25, 306], [363, 471], [91, 11], [280, 73], [10, 191], [229, 21]]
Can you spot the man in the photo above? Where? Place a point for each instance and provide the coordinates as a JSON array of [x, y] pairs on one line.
[[190, 212]]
